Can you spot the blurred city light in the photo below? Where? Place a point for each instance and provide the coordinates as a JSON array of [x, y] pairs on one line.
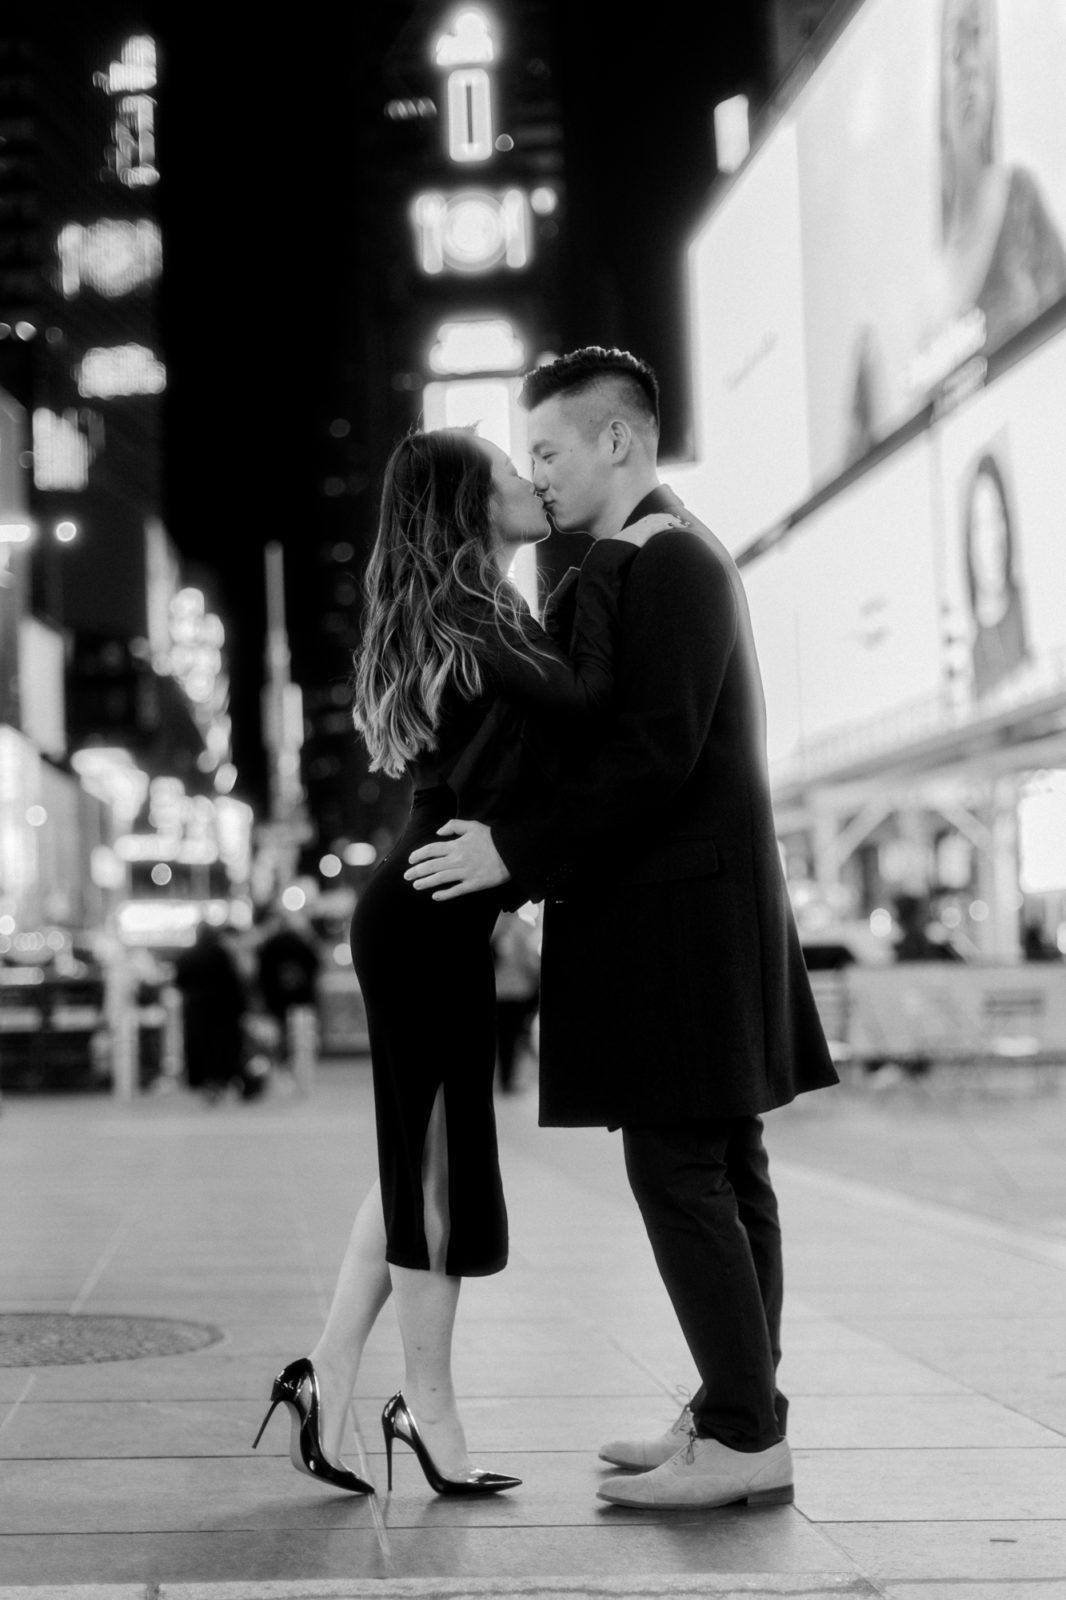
[[61, 450], [1042, 833], [293, 898], [732, 137], [330, 866], [110, 257], [477, 344], [360, 854], [135, 69], [471, 230], [66, 532], [120, 369], [469, 43]]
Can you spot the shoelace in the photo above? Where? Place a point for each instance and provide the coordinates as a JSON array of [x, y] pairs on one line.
[[690, 1448]]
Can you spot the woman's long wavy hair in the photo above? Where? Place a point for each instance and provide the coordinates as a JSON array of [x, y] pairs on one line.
[[431, 583]]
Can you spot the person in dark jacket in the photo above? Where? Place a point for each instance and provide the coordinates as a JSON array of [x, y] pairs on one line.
[[214, 1000], [288, 969], [675, 1002]]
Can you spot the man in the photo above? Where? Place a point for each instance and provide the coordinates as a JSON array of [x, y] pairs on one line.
[[675, 1003]]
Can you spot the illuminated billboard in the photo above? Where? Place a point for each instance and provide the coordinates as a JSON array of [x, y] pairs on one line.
[[748, 358], [846, 615], [904, 217], [1003, 479]]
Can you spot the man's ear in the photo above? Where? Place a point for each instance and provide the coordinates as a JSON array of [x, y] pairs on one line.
[[619, 440]]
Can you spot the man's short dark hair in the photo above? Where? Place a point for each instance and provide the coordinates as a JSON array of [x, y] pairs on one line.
[[582, 370]]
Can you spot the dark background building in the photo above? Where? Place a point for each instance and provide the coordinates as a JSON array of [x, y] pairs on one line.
[[293, 315], [296, 315]]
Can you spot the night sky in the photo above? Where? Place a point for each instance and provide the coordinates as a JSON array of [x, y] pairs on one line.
[[260, 151]]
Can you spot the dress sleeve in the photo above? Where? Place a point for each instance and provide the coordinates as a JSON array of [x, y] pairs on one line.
[[580, 683]]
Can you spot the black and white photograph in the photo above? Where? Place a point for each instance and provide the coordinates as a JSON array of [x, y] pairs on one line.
[[533, 800]]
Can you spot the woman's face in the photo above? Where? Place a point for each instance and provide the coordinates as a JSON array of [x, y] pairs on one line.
[[968, 75], [989, 551], [517, 514]]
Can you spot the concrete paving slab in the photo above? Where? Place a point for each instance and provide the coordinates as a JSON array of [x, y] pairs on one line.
[[984, 1351], [906, 1485], [102, 1429], [140, 1209], [938, 1551], [1046, 1406], [627, 1557], [990, 1590], [122, 1495], [930, 1422], [875, 1370]]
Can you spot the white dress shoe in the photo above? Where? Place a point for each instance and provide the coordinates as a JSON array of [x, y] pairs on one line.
[[644, 1453], [707, 1473]]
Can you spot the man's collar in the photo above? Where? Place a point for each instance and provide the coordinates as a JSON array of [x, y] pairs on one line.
[[661, 498]]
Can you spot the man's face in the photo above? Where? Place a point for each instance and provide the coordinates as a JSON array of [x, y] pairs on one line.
[[571, 466]]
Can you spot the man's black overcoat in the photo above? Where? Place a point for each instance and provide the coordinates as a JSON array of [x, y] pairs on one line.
[[673, 986]]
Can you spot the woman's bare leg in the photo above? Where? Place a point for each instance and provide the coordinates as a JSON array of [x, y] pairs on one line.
[[361, 1290], [426, 1303]]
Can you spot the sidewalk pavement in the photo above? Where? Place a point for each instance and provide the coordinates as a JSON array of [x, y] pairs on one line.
[[925, 1357]]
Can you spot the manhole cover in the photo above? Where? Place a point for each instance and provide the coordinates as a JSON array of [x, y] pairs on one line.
[[51, 1339]]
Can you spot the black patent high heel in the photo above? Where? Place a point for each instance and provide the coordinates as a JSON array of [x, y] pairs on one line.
[[297, 1387], [398, 1423]]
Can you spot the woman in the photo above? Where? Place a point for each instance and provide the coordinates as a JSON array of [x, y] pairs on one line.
[[458, 687], [1001, 250], [999, 644]]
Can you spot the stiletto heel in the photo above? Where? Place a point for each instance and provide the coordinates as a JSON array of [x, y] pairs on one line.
[[262, 1426], [398, 1423], [297, 1387]]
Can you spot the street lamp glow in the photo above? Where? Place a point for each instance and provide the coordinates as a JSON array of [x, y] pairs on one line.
[[360, 854], [66, 532]]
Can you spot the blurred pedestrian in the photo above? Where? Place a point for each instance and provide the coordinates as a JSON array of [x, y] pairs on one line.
[[516, 958], [288, 973], [214, 999], [921, 937], [1036, 945], [675, 1003], [450, 664]]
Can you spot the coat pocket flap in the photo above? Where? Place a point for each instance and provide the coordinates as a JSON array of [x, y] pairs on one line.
[[673, 859]]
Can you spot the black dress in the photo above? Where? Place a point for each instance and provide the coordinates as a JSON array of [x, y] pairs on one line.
[[425, 967]]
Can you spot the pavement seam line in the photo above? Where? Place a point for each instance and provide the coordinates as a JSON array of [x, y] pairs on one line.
[[20, 1401]]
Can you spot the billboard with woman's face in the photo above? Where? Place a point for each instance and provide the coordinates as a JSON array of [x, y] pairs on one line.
[[928, 154], [933, 196], [1003, 486]]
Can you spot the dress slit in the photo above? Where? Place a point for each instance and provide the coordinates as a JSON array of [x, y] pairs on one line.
[[436, 1185]]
